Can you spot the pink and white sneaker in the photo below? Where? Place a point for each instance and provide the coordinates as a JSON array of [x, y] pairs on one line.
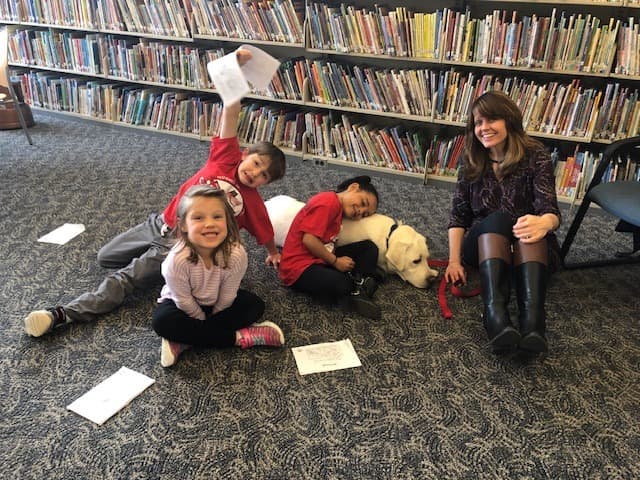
[[170, 351], [264, 334]]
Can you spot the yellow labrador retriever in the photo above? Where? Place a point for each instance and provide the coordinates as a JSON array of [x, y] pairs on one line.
[[401, 250]]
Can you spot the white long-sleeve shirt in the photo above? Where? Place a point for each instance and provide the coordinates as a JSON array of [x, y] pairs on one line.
[[191, 285]]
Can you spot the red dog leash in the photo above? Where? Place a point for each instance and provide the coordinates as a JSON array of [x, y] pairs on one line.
[[455, 291]]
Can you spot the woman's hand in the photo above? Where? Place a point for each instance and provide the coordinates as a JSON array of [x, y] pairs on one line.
[[455, 273], [533, 228]]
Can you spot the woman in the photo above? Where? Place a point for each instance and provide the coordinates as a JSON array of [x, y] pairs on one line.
[[504, 213]]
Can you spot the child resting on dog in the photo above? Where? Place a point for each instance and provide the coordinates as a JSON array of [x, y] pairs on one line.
[[312, 263]]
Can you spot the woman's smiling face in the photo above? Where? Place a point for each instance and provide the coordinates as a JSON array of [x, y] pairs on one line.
[[490, 132]]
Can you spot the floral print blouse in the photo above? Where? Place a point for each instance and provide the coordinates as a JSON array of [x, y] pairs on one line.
[[529, 189]]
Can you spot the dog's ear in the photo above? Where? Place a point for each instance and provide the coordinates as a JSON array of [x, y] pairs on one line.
[[397, 255]]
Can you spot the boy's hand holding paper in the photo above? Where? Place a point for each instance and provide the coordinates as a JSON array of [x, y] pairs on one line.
[[234, 75]]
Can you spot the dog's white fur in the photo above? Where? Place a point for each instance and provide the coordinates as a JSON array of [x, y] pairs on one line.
[[407, 254], [282, 209]]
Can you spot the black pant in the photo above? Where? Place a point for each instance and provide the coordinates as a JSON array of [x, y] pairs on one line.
[[330, 285], [218, 330]]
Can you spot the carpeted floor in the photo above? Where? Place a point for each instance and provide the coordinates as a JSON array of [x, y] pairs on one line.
[[429, 402]]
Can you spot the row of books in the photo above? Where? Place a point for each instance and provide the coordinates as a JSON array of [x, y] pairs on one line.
[[574, 173], [556, 108], [159, 109], [619, 115], [394, 147], [342, 138], [141, 60], [284, 128], [561, 42], [408, 150], [277, 21], [444, 156], [566, 109], [628, 58], [159, 17]]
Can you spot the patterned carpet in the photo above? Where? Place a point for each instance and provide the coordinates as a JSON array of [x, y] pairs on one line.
[[429, 402]]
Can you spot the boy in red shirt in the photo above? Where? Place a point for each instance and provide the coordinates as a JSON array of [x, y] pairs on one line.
[[311, 263], [139, 252]]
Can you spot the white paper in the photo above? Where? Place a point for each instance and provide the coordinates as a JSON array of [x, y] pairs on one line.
[[233, 81], [260, 69], [325, 357], [63, 234], [110, 396]]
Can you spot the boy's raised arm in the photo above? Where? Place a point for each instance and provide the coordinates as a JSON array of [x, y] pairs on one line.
[[229, 123]]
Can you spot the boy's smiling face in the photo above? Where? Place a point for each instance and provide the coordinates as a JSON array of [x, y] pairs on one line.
[[357, 203], [253, 170]]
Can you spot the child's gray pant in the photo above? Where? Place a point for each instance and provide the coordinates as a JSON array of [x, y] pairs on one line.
[[138, 253]]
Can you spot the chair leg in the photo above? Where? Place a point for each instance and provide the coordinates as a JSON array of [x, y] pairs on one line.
[[20, 116], [626, 227]]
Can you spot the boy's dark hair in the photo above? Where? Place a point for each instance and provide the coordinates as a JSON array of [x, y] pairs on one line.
[[277, 163], [363, 181]]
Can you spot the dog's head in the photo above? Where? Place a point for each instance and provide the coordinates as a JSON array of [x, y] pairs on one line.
[[408, 257]]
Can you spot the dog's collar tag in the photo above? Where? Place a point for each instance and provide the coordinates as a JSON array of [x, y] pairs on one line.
[[391, 230]]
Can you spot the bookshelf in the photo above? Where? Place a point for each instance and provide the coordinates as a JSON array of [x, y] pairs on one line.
[[382, 88]]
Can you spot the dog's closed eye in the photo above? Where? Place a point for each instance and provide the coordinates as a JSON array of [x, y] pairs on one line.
[[418, 261]]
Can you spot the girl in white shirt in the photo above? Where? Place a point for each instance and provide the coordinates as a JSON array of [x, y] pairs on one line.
[[201, 302]]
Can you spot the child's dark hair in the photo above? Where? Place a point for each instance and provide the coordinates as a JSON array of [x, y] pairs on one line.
[[277, 162], [233, 232], [364, 182]]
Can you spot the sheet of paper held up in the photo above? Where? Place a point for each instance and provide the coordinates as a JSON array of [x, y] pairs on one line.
[[324, 357], [63, 234], [110, 396], [233, 81]]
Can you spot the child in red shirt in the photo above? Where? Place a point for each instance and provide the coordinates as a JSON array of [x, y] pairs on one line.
[[139, 252], [312, 263]]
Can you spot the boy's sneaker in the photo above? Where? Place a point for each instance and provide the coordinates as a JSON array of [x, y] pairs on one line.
[[170, 351], [264, 334], [362, 304], [39, 322], [369, 286]]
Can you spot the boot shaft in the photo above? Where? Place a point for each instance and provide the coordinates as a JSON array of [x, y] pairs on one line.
[[495, 288], [531, 289]]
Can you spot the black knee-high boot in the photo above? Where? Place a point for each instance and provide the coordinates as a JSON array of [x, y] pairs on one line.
[[531, 288], [495, 286]]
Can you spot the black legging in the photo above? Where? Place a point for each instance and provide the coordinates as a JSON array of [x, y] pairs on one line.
[[218, 330], [330, 285]]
